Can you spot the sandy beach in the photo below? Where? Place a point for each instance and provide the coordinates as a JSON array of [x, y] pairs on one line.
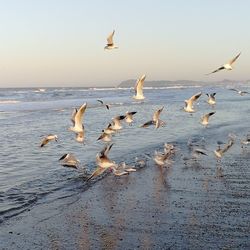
[[173, 208]]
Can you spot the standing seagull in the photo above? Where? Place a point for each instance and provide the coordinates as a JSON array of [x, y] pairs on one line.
[[155, 120], [139, 88], [211, 99], [204, 119], [47, 139], [227, 66], [189, 103], [240, 92], [110, 43], [76, 119]]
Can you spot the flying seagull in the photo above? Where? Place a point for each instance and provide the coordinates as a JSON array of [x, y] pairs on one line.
[[155, 120], [47, 139], [240, 92], [105, 137], [189, 103], [211, 99], [110, 43], [139, 88], [219, 152], [69, 160], [204, 119], [116, 122], [227, 66], [129, 116], [106, 105], [77, 119], [103, 162]]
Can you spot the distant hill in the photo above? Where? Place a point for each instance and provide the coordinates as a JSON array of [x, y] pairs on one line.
[[164, 83]]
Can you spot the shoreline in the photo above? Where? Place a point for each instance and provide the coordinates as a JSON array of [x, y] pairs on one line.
[[153, 208]]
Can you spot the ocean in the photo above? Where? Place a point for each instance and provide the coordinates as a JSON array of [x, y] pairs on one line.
[[30, 175]]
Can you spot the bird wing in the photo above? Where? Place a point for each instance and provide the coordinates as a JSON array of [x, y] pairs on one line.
[[106, 150], [234, 59], [220, 68], [139, 85], [100, 101], [234, 90], [96, 172], [73, 116], [147, 124], [110, 38], [79, 116], [229, 145], [157, 113], [44, 142]]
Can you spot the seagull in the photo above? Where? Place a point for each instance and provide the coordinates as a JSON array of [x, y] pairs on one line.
[[211, 99], [110, 43], [155, 120], [106, 105], [116, 122], [76, 118], [139, 88], [47, 139], [109, 130], [69, 160], [123, 169], [227, 66], [197, 152], [246, 141], [204, 119], [129, 116], [189, 103], [219, 152], [103, 162], [240, 92], [105, 137], [161, 159]]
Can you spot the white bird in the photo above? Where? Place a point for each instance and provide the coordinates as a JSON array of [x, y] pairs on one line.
[[47, 139], [219, 152], [240, 92], [69, 160], [246, 141], [123, 169], [109, 130], [105, 104], [211, 99], [204, 119], [110, 42], [116, 122], [155, 120], [189, 103], [105, 137], [227, 66], [103, 162], [139, 88], [162, 159], [129, 116], [77, 120]]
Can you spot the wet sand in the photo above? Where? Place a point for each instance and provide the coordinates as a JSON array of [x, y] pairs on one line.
[[194, 206]]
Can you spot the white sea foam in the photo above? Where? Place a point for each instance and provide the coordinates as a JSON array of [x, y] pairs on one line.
[[8, 101]]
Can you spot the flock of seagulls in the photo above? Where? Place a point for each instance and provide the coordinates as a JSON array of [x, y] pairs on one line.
[[161, 159]]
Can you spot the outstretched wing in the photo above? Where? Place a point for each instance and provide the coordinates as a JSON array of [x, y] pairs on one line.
[[110, 39]]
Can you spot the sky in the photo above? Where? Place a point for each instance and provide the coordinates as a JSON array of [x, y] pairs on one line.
[[61, 42]]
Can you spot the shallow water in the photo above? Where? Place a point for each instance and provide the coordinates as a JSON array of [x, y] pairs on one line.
[[30, 175]]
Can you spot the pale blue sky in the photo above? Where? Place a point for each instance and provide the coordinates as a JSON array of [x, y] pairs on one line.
[[60, 42]]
